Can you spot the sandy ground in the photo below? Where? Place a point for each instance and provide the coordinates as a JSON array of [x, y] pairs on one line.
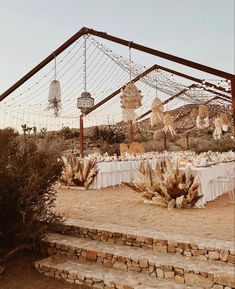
[[20, 274], [121, 205]]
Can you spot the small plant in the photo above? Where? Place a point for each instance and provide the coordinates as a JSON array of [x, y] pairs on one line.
[[164, 185]]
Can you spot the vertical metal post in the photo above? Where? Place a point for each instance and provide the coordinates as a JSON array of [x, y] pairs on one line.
[[233, 98], [131, 131], [81, 136], [187, 141]]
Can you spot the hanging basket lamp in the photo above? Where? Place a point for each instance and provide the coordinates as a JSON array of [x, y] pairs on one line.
[[85, 102], [202, 120], [54, 97], [130, 100], [168, 124], [157, 112]]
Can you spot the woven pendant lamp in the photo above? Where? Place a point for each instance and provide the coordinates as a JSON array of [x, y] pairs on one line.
[[54, 97], [202, 120], [130, 98]]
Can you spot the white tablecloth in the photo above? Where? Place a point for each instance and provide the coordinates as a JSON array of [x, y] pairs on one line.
[[114, 173]]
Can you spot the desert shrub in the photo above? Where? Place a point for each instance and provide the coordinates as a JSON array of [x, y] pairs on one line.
[[111, 149], [69, 133], [205, 144], [154, 145], [107, 134], [27, 175]]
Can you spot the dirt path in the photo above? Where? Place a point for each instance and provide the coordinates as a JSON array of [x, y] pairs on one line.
[[123, 206]]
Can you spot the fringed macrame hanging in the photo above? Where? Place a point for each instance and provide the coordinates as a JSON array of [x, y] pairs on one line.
[[168, 124], [54, 97], [194, 113], [202, 120], [224, 121], [130, 99], [221, 124], [218, 128], [157, 112]]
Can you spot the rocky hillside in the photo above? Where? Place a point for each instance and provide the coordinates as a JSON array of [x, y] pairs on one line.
[[107, 138]]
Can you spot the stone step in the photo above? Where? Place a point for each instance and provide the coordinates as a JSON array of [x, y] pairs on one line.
[[98, 277], [157, 241], [191, 271]]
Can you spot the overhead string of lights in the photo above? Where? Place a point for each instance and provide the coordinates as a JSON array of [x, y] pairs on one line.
[[106, 72]]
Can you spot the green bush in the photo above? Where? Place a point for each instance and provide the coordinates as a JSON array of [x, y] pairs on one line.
[[27, 175]]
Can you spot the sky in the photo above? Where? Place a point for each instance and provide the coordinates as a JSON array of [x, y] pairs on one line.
[[198, 30]]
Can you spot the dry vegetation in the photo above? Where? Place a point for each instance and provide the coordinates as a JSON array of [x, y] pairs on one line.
[[108, 138]]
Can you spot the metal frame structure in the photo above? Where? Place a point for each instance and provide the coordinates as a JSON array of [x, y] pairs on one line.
[[129, 44]]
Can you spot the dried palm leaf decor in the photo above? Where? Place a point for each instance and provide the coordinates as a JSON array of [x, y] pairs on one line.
[[157, 112], [79, 173], [130, 100], [165, 186]]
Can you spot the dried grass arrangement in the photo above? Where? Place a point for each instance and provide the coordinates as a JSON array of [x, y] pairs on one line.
[[130, 100], [202, 120], [79, 173], [168, 124], [165, 186], [156, 116]]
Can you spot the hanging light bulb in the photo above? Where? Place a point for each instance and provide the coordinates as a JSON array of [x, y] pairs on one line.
[[54, 97]]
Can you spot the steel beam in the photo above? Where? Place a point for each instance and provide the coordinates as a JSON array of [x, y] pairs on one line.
[[192, 78], [48, 59], [81, 136], [233, 98], [161, 54]]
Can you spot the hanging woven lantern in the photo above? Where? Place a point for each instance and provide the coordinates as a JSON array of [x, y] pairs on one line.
[[128, 114], [157, 112], [168, 124], [225, 121], [203, 111], [85, 101], [194, 113], [202, 120], [130, 100], [54, 97], [218, 128]]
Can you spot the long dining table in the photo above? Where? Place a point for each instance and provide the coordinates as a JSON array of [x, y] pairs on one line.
[[113, 173]]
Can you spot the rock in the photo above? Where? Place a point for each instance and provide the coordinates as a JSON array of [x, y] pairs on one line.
[[178, 279], [98, 285], [120, 265], [91, 255], [2, 269], [197, 280], [224, 255], [159, 248], [225, 279], [169, 274], [143, 264], [214, 255], [216, 286], [231, 259], [160, 273]]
